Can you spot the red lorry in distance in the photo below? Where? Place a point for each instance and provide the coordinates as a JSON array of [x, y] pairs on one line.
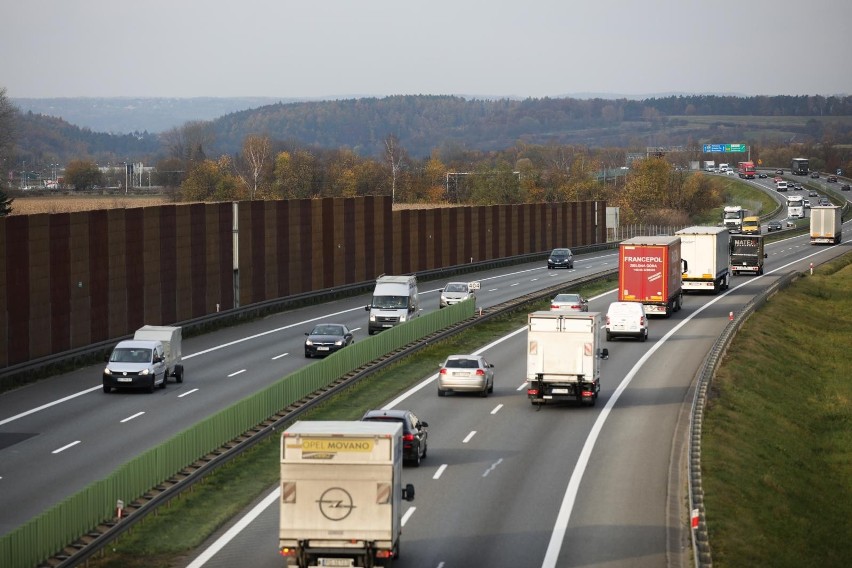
[[650, 272], [746, 170]]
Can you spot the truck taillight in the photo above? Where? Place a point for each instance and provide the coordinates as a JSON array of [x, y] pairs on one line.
[[532, 392], [384, 553], [287, 551], [641, 320]]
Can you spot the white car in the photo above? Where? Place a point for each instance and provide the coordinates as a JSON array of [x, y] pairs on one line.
[[455, 292], [626, 319], [570, 302]]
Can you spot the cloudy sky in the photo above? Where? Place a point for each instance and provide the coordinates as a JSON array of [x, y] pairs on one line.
[[346, 48]]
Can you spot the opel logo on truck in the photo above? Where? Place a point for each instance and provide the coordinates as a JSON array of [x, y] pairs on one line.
[[335, 504]]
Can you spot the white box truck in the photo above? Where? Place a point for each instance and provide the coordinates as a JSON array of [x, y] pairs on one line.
[[146, 361], [341, 493], [704, 252], [395, 301], [826, 224], [563, 356]]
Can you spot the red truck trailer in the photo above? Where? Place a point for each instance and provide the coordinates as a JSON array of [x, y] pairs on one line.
[[650, 271]]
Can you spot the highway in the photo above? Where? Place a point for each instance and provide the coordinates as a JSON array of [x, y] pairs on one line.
[[562, 486], [506, 485]]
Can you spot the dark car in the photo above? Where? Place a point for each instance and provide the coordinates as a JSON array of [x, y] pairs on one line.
[[824, 201], [326, 338], [813, 193], [844, 187], [779, 172], [415, 432], [762, 175], [831, 179], [773, 226], [560, 258], [815, 175]]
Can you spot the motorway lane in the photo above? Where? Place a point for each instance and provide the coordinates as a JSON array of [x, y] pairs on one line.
[[509, 486], [221, 367]]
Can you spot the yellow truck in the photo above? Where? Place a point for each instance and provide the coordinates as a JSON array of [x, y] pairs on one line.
[[751, 225]]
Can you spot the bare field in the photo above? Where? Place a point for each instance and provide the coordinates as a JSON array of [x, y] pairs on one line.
[[73, 204]]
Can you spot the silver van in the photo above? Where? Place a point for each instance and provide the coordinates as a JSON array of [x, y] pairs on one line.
[[626, 319], [395, 301], [136, 364]]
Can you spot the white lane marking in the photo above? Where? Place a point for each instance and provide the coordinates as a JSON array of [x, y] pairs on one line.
[[231, 533], [129, 418], [65, 447], [279, 356], [515, 284], [521, 386], [468, 437], [497, 409], [492, 467], [235, 373], [440, 471], [493, 289], [49, 404], [186, 393], [408, 514]]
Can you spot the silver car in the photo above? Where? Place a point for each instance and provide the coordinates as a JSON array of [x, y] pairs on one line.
[[455, 292], [570, 302], [466, 373]]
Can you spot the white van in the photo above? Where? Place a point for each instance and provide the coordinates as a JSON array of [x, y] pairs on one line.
[[626, 319], [395, 301]]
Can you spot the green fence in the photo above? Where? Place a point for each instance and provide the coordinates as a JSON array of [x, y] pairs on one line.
[[48, 533]]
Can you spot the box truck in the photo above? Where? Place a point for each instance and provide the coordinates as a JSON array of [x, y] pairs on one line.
[[732, 218], [563, 356], [704, 251], [146, 361], [650, 272], [395, 301], [747, 254], [341, 493], [826, 224]]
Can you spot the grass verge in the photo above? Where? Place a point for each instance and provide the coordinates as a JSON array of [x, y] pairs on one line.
[[167, 539], [777, 446]]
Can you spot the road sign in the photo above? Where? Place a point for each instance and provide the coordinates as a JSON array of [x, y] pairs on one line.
[[712, 148]]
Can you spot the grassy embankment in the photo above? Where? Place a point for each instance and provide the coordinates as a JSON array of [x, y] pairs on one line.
[[777, 448]]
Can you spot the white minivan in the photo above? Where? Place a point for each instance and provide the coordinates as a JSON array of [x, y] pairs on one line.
[[626, 319]]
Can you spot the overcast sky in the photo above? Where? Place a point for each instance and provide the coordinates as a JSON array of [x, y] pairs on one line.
[[353, 48]]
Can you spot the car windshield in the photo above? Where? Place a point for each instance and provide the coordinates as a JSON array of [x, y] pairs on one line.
[[567, 298], [131, 355], [327, 330], [455, 287], [390, 302], [462, 364]]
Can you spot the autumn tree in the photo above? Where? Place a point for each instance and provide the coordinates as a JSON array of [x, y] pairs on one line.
[[83, 174], [435, 173], [257, 153], [495, 185], [294, 175], [212, 181]]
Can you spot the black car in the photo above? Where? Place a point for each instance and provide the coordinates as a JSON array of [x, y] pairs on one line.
[[560, 258], [762, 175], [831, 179], [415, 432], [773, 226], [779, 172], [813, 193], [844, 187], [326, 338], [815, 175]]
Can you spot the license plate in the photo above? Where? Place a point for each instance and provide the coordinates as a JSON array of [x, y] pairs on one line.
[[559, 391], [461, 374], [125, 379], [322, 348], [387, 325], [339, 562]]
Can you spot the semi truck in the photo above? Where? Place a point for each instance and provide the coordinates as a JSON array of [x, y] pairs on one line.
[[341, 493], [826, 224], [704, 251], [563, 357], [732, 218], [747, 254], [649, 271]]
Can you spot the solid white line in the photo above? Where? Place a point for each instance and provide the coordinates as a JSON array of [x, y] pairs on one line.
[[440, 471], [235, 373], [497, 409], [129, 418], [563, 517], [63, 448], [492, 467], [468, 437], [408, 514], [279, 356], [49, 404], [186, 393], [231, 533]]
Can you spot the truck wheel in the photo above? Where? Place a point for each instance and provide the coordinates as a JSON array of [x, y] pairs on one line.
[[179, 373]]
